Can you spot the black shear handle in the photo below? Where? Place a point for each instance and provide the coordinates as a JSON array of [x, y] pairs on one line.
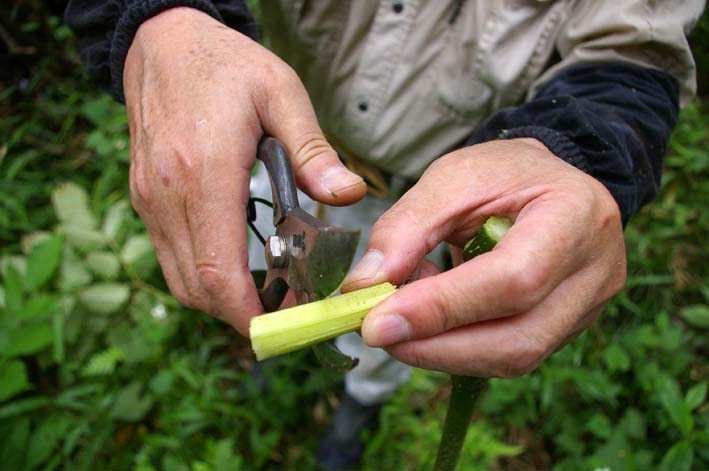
[[285, 196]]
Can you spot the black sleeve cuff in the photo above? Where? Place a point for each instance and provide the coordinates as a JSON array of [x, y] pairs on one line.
[[612, 121], [558, 143], [134, 15]]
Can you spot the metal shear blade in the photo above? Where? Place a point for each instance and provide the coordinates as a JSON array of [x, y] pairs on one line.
[[305, 254]]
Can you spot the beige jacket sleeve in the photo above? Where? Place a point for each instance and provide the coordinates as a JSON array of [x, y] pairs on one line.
[[650, 33]]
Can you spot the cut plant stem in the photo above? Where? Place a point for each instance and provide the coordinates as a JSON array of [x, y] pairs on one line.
[[490, 233], [465, 389], [308, 324]]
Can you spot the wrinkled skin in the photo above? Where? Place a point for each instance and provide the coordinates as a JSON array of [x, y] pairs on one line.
[[199, 97], [505, 311]]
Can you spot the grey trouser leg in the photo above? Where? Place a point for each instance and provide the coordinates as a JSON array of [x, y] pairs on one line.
[[378, 375]]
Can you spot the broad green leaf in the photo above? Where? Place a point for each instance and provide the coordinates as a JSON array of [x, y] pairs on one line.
[[97, 109], [18, 262], [58, 336], [78, 395], [42, 262], [161, 384], [13, 379], [600, 426], [39, 305], [130, 404], [23, 406], [73, 273], [135, 248], [670, 396], [678, 458], [132, 342], [670, 333], [696, 395], [30, 338], [612, 453], [140, 255], [202, 466], [225, 459], [14, 444], [616, 358], [104, 264], [29, 241], [701, 436], [100, 142], [696, 315], [633, 423], [71, 203], [597, 385], [14, 295], [83, 239], [104, 298], [115, 216], [46, 437]]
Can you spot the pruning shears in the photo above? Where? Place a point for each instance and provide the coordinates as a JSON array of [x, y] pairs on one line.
[[305, 254]]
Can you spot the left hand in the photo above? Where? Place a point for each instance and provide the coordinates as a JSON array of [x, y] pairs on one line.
[[505, 311]]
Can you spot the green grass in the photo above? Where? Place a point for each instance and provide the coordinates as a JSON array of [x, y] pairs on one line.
[[101, 369]]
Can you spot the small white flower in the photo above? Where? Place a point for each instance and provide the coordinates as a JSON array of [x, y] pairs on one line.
[[159, 312]]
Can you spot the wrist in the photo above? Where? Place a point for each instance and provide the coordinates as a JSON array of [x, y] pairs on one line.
[[169, 16], [157, 38], [167, 25]]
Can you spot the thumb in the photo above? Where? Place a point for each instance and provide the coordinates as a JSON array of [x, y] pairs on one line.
[[399, 241], [289, 117]]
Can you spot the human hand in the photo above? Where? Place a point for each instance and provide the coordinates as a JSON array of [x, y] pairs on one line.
[[503, 312], [199, 98]]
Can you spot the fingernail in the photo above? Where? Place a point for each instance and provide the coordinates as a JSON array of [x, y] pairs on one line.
[[337, 179], [386, 330], [368, 267]]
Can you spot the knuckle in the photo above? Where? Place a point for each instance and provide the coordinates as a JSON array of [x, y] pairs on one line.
[[619, 275], [184, 157], [140, 188], [286, 76], [411, 354], [525, 284], [443, 317], [438, 165], [273, 78], [444, 320], [520, 358], [313, 147], [448, 165], [180, 293], [193, 296], [211, 278]]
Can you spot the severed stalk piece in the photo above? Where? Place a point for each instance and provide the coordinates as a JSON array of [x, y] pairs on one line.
[[304, 325]]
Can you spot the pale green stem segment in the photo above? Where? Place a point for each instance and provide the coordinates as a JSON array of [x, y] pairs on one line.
[[466, 390], [308, 324]]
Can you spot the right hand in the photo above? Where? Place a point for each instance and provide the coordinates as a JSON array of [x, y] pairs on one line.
[[199, 98]]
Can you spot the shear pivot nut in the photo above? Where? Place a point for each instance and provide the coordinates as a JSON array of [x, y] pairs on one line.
[[276, 252]]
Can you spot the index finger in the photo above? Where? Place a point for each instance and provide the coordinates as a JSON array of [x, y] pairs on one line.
[[216, 212]]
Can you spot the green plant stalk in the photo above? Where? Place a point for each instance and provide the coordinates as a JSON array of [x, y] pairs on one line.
[[465, 390], [304, 325]]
